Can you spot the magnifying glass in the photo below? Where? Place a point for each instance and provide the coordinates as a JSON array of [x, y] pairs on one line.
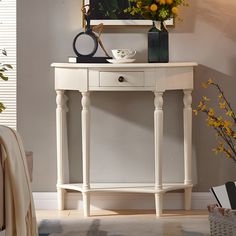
[[85, 44]]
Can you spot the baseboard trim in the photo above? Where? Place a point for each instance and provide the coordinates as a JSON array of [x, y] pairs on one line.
[[2, 233], [121, 201]]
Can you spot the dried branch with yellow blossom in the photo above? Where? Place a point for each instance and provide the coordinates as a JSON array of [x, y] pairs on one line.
[[225, 125]]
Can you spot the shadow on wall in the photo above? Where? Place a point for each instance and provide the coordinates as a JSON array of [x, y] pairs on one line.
[[221, 14], [218, 13], [188, 17], [212, 169]]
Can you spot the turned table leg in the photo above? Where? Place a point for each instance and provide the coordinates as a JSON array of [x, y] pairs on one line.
[[85, 117], [62, 147], [158, 134], [188, 147]]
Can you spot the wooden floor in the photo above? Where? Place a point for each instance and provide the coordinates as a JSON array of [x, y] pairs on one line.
[[147, 213], [191, 221]]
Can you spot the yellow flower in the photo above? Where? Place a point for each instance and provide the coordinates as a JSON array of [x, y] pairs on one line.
[[216, 124], [210, 81], [139, 4], [228, 131], [220, 96], [169, 2], [174, 10], [210, 122], [229, 113], [202, 106], [222, 105], [226, 123], [234, 136], [211, 112], [153, 7], [195, 112], [206, 99], [162, 2]]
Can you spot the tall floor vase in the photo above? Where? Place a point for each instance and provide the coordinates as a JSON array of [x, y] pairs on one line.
[[158, 44]]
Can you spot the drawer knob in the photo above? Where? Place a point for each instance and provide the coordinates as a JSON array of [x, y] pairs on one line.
[[121, 79]]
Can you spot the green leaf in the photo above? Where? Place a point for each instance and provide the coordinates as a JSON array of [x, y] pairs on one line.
[[2, 76], [8, 66], [2, 107], [4, 52]]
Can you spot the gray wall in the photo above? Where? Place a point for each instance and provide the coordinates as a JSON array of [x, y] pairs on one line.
[[122, 126]]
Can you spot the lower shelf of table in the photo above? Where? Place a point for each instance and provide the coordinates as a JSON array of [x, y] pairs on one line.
[[125, 187]]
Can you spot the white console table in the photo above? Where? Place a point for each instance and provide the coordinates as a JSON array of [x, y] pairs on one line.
[[156, 78]]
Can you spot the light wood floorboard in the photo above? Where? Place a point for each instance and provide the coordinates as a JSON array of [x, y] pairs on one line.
[[192, 221]]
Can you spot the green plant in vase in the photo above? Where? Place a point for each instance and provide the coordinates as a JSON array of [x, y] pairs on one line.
[[3, 76], [158, 11]]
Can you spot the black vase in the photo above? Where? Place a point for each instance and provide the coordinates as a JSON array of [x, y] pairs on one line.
[[158, 44]]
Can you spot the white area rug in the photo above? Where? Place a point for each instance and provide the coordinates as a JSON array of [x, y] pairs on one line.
[[125, 226]]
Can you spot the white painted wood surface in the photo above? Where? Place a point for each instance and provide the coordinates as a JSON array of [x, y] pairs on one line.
[[126, 187], [188, 147], [125, 65], [62, 146], [157, 78], [158, 143], [187, 136], [122, 200], [85, 116]]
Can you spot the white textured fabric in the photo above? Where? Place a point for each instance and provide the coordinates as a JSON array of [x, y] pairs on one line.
[[29, 158], [20, 217]]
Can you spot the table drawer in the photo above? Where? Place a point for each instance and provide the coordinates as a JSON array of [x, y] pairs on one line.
[[121, 79]]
